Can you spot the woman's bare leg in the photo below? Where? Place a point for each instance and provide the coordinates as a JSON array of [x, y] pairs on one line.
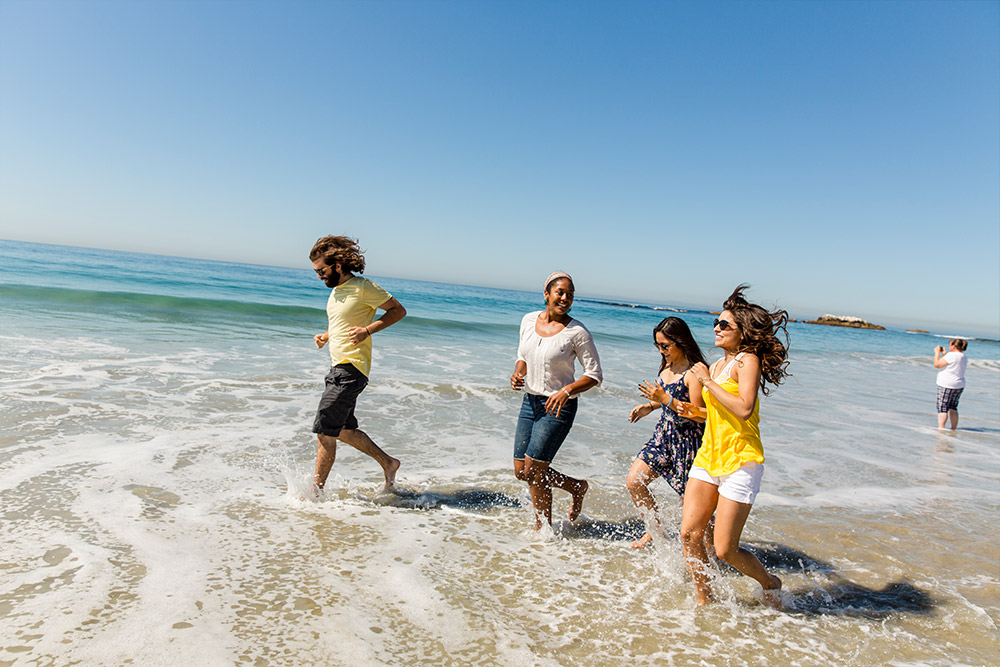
[[540, 489], [700, 500], [541, 478], [730, 517], [575, 487], [637, 483]]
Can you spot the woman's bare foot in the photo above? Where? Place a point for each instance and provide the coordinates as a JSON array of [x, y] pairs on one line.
[[771, 595], [390, 473], [643, 541], [581, 490]]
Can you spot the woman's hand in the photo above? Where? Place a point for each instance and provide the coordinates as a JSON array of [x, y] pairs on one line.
[[690, 411], [517, 381], [555, 402], [701, 372], [639, 411], [655, 392], [517, 377], [321, 339]]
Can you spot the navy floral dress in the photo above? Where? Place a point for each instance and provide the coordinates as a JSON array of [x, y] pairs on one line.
[[675, 440]]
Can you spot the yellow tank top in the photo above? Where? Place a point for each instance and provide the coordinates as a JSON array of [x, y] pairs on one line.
[[728, 443]]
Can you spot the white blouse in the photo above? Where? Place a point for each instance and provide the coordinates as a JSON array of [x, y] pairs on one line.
[[952, 376], [550, 359]]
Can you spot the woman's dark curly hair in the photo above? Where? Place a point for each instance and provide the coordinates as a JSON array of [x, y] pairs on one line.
[[759, 329], [339, 249], [677, 332]]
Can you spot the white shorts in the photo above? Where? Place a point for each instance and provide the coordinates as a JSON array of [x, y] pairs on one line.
[[741, 486]]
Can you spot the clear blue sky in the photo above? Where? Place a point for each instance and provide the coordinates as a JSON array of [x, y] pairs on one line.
[[842, 157]]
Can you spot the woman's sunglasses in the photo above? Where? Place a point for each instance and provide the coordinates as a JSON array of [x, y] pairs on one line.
[[723, 325]]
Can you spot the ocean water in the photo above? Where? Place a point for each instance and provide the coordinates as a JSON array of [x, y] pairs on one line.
[[156, 458]]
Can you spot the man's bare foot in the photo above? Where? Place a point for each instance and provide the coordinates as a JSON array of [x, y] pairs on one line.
[[577, 507], [643, 541], [390, 473], [771, 595]]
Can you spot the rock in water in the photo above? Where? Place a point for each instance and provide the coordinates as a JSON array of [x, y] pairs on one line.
[[845, 321]]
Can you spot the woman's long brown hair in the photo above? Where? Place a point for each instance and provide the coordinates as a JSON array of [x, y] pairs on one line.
[[759, 328]]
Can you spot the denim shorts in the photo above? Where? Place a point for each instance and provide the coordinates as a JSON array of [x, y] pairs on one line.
[[344, 383], [540, 435]]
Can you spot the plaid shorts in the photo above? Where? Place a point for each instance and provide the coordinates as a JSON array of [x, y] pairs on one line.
[[947, 399]]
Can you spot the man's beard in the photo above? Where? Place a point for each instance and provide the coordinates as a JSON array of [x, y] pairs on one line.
[[332, 277]]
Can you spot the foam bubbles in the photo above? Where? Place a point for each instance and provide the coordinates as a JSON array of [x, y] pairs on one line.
[[156, 486]]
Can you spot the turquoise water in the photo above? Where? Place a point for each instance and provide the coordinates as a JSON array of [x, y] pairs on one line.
[[155, 456], [160, 286]]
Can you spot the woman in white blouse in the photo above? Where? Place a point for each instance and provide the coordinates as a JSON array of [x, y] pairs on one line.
[[550, 341]]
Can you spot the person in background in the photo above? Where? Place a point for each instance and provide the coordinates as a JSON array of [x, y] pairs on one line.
[[351, 323], [671, 450], [725, 477], [550, 342], [950, 380]]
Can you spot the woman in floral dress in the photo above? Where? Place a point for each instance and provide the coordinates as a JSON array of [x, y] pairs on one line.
[[676, 439]]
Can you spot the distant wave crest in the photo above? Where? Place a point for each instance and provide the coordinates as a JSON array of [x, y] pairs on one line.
[[639, 306], [180, 307], [94, 300]]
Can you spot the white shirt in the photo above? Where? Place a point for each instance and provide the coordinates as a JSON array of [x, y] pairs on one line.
[[550, 359], [952, 376]]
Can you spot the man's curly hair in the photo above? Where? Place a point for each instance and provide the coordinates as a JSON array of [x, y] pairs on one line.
[[339, 249]]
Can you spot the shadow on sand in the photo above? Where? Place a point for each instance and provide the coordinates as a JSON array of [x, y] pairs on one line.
[[838, 596], [467, 499], [779, 557], [590, 529]]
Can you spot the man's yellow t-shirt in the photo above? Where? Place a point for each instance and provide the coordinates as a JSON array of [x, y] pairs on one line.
[[353, 304]]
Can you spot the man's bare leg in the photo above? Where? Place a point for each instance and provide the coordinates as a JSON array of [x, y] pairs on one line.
[[326, 454], [360, 441]]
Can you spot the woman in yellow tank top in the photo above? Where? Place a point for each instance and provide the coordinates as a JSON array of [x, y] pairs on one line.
[[725, 477]]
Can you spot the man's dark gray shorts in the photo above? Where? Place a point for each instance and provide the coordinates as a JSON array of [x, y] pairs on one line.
[[344, 383]]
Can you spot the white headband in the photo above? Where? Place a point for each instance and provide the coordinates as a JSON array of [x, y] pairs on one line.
[[554, 275]]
